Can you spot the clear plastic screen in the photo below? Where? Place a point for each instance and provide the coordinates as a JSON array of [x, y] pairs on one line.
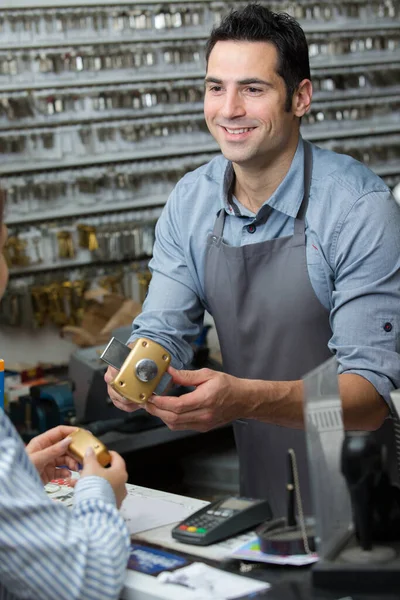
[[324, 437]]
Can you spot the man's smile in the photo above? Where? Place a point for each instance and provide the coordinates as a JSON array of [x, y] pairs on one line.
[[237, 132]]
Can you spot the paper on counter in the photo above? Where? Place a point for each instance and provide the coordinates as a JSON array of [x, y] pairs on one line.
[[212, 584], [145, 509], [220, 551], [251, 551]]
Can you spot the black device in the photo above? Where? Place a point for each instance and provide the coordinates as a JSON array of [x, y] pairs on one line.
[[222, 519], [368, 559]]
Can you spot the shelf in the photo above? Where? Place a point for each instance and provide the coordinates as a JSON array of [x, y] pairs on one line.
[[145, 37], [125, 114], [315, 132], [179, 34], [140, 203], [356, 61], [353, 25], [32, 4], [361, 128], [86, 80], [321, 100], [72, 264], [387, 168], [28, 167], [354, 102], [82, 211], [322, 97], [335, 98]]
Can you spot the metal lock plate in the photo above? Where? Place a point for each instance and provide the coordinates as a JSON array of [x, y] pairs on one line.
[[81, 440], [141, 370]]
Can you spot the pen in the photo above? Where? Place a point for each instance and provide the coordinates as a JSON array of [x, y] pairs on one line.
[[290, 486]]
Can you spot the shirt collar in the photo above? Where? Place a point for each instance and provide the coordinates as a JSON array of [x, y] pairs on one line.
[[287, 197]]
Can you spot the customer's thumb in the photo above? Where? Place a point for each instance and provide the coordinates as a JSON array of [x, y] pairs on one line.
[[90, 456]]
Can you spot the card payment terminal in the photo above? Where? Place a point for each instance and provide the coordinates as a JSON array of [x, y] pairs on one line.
[[222, 519]]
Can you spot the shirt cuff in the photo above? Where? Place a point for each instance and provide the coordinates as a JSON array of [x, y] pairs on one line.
[[382, 384], [94, 487]]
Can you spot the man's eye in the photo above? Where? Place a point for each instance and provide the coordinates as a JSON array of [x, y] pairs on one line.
[[215, 88], [254, 90]]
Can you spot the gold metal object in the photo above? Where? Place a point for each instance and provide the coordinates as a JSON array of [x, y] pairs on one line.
[[82, 440], [65, 244], [142, 371]]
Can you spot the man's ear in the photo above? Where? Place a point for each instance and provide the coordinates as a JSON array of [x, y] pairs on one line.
[[301, 101]]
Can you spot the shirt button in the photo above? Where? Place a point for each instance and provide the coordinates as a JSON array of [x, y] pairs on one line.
[[251, 228], [388, 326]]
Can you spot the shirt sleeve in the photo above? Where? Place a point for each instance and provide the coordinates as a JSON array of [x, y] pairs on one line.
[[47, 550], [172, 311], [366, 296]]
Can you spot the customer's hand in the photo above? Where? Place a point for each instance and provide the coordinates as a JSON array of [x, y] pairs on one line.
[[116, 474], [118, 400], [48, 452]]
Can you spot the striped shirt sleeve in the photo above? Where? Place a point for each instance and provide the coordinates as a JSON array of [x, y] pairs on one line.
[[48, 551]]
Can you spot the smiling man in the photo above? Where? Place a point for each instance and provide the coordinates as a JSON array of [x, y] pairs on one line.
[[294, 250]]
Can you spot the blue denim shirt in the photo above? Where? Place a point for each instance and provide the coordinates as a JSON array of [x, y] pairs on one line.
[[352, 247]]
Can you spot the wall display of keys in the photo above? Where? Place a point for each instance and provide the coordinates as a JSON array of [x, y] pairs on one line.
[[65, 23], [57, 193], [101, 113], [59, 298], [138, 136], [106, 238]]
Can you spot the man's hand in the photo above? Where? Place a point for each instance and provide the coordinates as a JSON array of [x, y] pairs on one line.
[[48, 452], [116, 474], [218, 399], [118, 400]]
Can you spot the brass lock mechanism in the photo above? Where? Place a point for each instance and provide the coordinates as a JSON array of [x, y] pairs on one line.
[[81, 440], [140, 368]]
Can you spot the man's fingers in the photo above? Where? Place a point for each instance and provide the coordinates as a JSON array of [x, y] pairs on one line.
[[177, 404], [125, 404], [188, 378], [110, 375], [197, 420]]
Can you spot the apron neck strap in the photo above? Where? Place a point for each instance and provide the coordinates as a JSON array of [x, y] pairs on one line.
[[299, 224], [219, 223]]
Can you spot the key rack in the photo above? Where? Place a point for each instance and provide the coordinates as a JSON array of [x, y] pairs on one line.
[[101, 114]]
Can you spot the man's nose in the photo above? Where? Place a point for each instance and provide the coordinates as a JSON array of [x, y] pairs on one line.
[[233, 106]]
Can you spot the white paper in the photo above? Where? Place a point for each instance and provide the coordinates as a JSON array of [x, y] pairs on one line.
[[251, 551], [142, 509], [220, 551], [145, 509], [212, 584]]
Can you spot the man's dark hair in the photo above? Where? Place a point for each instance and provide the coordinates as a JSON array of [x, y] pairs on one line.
[[256, 23]]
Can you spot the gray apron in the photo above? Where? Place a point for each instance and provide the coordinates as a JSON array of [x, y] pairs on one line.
[[270, 326]]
